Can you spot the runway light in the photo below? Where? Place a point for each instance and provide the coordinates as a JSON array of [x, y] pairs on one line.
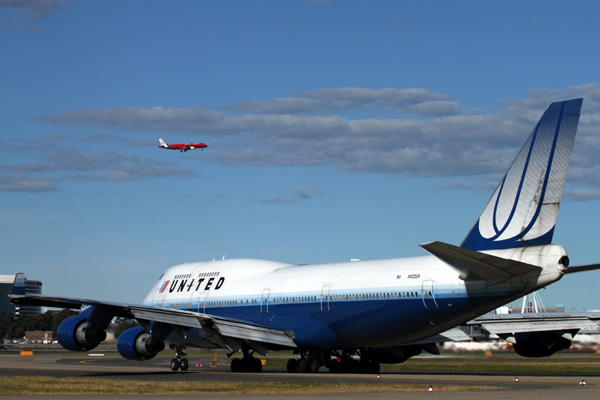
[[582, 383], [517, 379], [431, 389]]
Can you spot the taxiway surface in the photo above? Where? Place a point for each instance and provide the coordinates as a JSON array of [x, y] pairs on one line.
[[528, 387]]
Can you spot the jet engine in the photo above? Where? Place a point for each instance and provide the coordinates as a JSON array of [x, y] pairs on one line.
[[136, 344], [395, 355], [542, 344], [77, 333]]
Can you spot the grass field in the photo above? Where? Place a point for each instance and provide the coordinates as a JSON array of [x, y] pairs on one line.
[[98, 386]]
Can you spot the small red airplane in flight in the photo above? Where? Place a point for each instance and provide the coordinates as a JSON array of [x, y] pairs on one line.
[[181, 147]]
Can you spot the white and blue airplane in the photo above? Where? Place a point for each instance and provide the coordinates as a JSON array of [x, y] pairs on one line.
[[384, 311]]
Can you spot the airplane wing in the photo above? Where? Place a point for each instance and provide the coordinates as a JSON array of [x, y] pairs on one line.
[[509, 324], [223, 331]]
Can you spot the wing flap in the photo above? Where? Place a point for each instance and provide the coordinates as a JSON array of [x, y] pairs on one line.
[[167, 316], [475, 265], [451, 335], [254, 332], [180, 318], [512, 323]]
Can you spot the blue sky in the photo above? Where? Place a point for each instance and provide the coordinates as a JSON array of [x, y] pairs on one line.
[[336, 130]]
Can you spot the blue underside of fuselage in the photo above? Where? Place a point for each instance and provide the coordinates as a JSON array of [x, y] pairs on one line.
[[341, 324]]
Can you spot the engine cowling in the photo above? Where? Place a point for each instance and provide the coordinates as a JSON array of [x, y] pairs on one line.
[[136, 344], [541, 344], [79, 334], [394, 355]]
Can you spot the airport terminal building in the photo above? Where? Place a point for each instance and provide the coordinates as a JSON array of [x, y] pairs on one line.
[[31, 287]]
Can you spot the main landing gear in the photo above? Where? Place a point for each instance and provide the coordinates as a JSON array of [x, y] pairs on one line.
[[345, 364], [309, 362], [246, 364], [180, 362]]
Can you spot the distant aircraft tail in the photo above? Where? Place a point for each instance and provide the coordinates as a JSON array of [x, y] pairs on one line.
[[161, 143], [524, 207]]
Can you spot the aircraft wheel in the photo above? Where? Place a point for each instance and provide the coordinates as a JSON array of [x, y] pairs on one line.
[[375, 367], [174, 364], [302, 366], [236, 365], [292, 365], [246, 364], [334, 366], [184, 364], [313, 366], [346, 366], [256, 365]]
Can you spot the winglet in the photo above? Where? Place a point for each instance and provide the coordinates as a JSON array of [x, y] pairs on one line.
[[18, 288]]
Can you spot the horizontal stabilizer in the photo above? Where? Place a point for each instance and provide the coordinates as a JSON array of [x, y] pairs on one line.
[[473, 265], [582, 268]]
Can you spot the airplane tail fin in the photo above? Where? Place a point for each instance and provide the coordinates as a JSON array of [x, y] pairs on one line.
[[18, 288], [161, 143], [524, 207]]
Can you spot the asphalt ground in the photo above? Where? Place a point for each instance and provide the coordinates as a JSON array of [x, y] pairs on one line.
[[57, 364]]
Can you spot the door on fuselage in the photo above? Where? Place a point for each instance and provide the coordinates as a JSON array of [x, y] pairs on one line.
[[264, 303], [202, 302], [325, 298], [428, 294], [161, 292]]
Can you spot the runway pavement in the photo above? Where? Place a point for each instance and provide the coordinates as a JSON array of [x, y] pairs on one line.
[[528, 387]]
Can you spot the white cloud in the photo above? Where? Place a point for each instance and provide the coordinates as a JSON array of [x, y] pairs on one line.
[[37, 10], [54, 163], [437, 108], [581, 194], [24, 183], [341, 99], [461, 185], [421, 133], [299, 193]]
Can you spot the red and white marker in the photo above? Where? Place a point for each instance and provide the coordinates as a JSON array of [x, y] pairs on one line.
[[582, 383], [431, 389], [517, 379]]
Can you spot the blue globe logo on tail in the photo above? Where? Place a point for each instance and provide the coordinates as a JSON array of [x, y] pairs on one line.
[[524, 207]]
